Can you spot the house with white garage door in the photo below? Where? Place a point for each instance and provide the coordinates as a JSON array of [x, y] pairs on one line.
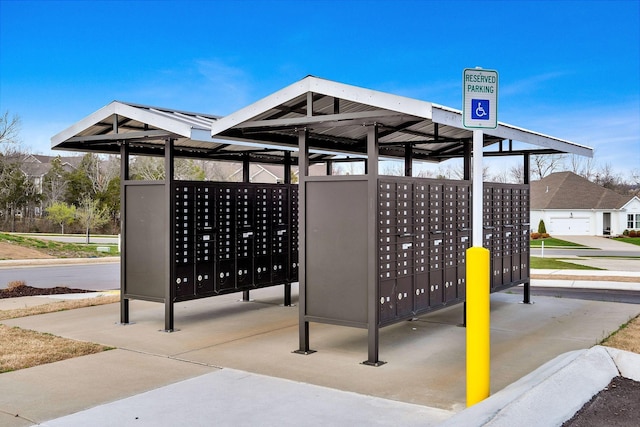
[[571, 205]]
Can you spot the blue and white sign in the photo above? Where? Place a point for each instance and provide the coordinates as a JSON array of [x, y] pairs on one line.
[[480, 98], [480, 109]]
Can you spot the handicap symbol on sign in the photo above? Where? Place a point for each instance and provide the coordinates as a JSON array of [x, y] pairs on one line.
[[480, 109]]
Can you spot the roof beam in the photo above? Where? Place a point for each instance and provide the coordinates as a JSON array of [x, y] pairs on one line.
[[295, 108], [330, 120], [122, 136]]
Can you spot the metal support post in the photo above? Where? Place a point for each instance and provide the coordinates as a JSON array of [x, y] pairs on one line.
[[303, 172], [466, 177], [124, 176], [287, 181], [527, 285], [169, 293], [372, 244], [408, 159]]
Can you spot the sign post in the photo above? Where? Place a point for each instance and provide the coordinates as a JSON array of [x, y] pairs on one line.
[[479, 111]]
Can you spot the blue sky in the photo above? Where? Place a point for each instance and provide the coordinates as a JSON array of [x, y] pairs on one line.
[[570, 69]]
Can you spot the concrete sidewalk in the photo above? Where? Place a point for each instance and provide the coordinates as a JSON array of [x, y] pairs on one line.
[[231, 363]]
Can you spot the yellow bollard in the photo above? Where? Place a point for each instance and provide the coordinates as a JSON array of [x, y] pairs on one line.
[[478, 336]]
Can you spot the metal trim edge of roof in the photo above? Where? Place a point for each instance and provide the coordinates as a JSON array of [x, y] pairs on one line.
[[144, 114], [452, 117]]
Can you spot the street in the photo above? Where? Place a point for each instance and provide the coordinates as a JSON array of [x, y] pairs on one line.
[[94, 277]]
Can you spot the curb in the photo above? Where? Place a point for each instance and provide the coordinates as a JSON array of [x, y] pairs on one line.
[[553, 393]]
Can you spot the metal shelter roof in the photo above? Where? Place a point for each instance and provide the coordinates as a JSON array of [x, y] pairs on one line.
[[334, 114], [146, 130]]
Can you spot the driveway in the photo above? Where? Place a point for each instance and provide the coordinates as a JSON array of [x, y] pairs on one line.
[[604, 258], [603, 243]]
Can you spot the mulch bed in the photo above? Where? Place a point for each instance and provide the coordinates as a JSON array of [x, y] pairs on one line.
[[617, 405], [29, 291]]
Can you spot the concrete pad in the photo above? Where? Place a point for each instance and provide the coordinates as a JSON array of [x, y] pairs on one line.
[[222, 396], [9, 420], [426, 358], [537, 395], [57, 389]]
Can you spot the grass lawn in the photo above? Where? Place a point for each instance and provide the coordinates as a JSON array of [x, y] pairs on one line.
[[60, 249], [551, 242], [632, 240], [556, 264], [22, 348]]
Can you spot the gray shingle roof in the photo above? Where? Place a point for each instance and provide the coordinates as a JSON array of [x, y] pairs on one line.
[[566, 190]]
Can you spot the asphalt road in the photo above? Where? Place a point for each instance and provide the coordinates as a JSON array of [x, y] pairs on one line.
[[94, 277]]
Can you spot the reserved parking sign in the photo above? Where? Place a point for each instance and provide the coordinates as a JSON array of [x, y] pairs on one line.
[[480, 98]]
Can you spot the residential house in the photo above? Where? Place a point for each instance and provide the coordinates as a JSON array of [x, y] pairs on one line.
[[36, 166], [572, 205]]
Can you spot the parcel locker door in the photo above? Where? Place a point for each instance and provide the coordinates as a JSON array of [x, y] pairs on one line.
[[404, 296], [293, 240], [184, 240], [463, 236], [421, 275], [496, 272], [205, 242], [245, 235], [436, 288], [420, 246], [262, 257], [225, 239], [464, 242], [279, 233], [524, 256], [184, 283], [387, 303], [449, 242], [204, 278], [436, 272], [507, 254], [404, 248]]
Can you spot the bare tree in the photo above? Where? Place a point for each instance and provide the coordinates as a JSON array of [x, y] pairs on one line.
[[349, 168], [543, 165], [502, 177], [392, 169], [148, 168], [9, 129], [213, 170], [91, 215], [55, 182], [516, 174], [583, 166], [607, 178]]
